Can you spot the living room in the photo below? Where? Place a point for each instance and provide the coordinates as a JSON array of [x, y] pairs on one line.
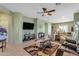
[[40, 29]]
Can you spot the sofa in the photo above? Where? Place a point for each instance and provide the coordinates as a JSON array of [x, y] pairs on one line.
[[71, 41], [70, 46]]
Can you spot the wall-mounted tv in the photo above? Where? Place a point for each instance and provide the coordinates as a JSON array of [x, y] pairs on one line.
[[27, 26]]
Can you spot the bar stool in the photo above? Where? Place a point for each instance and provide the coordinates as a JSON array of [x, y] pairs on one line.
[[3, 42]]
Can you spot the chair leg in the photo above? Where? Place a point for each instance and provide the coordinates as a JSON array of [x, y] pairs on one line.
[[2, 46], [5, 43]]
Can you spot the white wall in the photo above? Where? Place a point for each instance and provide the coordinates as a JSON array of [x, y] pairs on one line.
[[28, 19], [76, 19], [4, 20], [49, 28], [17, 27], [40, 26], [43, 26]]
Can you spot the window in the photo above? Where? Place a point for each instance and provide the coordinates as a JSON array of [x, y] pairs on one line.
[[63, 28]]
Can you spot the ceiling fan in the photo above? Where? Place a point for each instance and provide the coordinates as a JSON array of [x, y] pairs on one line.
[[46, 12]]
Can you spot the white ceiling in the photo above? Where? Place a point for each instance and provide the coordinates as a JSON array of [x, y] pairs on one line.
[[63, 13]]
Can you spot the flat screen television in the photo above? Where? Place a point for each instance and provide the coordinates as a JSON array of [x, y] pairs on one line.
[[29, 26]]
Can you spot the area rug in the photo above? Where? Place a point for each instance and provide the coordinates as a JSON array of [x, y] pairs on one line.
[[36, 51]]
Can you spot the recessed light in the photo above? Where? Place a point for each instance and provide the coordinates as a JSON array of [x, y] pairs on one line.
[[58, 3]]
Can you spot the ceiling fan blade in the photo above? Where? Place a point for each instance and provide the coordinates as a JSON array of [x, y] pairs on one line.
[[49, 14], [52, 10], [45, 10]]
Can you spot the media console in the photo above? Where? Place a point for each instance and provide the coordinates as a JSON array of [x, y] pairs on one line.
[[28, 37]]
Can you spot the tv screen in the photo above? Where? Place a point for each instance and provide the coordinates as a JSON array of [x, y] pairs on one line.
[[28, 25]]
